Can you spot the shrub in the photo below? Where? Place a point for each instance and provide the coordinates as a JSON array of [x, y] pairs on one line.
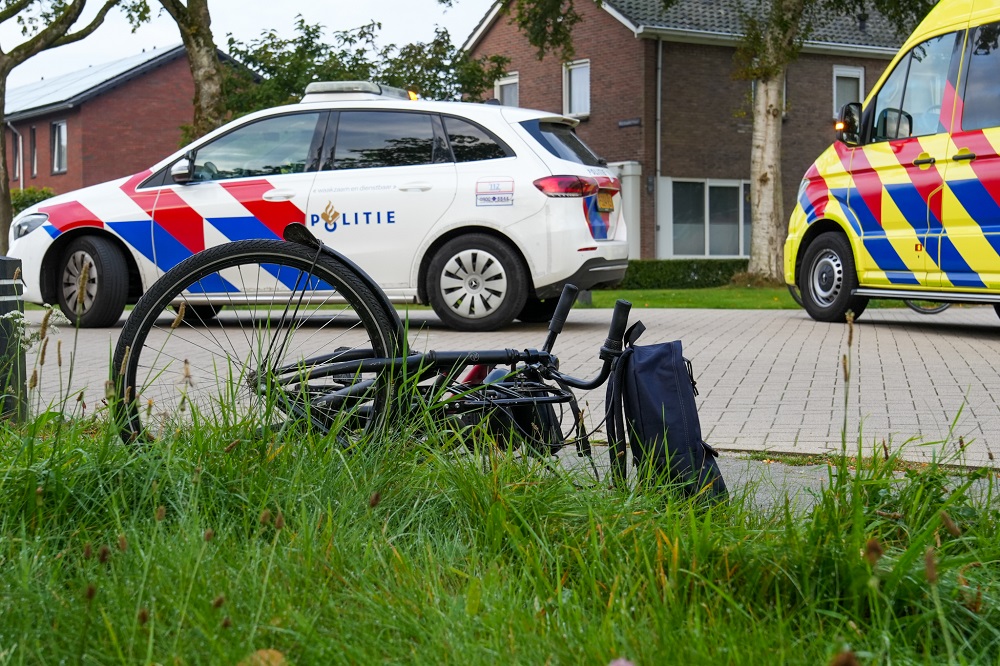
[[680, 273], [29, 196]]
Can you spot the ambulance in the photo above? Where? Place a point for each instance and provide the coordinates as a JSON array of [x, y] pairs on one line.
[[906, 202]]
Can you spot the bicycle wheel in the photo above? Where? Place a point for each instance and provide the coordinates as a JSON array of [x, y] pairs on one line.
[[927, 307], [279, 311]]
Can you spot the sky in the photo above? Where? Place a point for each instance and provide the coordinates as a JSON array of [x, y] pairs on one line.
[[403, 22]]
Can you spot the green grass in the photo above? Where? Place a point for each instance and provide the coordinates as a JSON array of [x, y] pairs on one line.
[[752, 298], [407, 552]]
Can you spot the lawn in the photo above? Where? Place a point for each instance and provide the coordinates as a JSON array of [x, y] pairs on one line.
[[210, 546]]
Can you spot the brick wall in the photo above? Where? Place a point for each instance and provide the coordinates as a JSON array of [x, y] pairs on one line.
[[117, 133]]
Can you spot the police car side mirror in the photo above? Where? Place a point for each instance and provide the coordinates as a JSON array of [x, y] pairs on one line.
[[849, 124], [180, 172]]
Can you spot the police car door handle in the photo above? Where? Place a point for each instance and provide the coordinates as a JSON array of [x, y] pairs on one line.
[[963, 157], [415, 187], [923, 159], [278, 194]]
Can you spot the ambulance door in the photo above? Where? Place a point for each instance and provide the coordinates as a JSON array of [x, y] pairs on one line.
[[247, 183], [387, 178], [899, 174], [970, 248]]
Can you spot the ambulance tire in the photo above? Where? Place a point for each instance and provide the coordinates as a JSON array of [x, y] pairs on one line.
[[104, 296], [476, 282], [828, 279]]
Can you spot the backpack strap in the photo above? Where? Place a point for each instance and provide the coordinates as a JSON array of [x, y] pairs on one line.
[[616, 421], [633, 332]]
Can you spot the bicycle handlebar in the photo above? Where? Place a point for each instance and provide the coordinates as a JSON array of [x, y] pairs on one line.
[[566, 301]]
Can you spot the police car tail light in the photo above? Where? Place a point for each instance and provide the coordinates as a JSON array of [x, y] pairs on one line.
[[567, 186]]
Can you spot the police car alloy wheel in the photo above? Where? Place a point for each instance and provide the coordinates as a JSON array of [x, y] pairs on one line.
[[829, 279], [476, 283], [98, 300]]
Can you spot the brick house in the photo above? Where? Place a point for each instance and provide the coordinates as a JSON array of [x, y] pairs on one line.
[[99, 123], [655, 93]]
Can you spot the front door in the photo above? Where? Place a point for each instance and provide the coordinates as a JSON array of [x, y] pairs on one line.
[[247, 183], [899, 174]]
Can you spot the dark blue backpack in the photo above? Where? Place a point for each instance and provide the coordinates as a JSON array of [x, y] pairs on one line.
[[651, 399]]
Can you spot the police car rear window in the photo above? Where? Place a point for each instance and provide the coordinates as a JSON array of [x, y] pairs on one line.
[[560, 140]]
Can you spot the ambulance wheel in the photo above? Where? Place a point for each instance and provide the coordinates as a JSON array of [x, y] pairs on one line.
[[98, 301], [829, 278], [476, 282]]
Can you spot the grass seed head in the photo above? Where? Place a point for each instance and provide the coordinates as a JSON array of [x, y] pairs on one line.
[[143, 616], [930, 566], [103, 554], [873, 551], [226, 622], [43, 331], [265, 517], [91, 592], [279, 521], [950, 525], [41, 354], [59, 353], [374, 499], [181, 309], [218, 601], [845, 658], [33, 382], [209, 534], [122, 543], [82, 287], [161, 513], [88, 551]]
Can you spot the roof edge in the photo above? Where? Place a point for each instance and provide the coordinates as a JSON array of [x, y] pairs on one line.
[[147, 66], [479, 31], [728, 39]]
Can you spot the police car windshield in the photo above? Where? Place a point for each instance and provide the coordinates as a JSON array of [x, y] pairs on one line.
[[560, 140]]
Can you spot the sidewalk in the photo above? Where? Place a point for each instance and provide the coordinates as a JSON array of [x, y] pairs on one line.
[[768, 380]]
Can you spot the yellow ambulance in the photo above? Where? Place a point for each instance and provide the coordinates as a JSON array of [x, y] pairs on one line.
[[906, 202]]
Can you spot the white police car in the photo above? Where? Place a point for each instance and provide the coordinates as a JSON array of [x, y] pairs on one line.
[[481, 210]]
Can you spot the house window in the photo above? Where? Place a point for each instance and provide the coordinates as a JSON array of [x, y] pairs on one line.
[[59, 146], [848, 86], [505, 90], [710, 218], [576, 88], [33, 145]]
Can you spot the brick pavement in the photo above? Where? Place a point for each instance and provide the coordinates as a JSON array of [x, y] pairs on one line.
[[768, 380]]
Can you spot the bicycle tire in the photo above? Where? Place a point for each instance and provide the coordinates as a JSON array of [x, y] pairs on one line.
[[933, 307], [175, 368]]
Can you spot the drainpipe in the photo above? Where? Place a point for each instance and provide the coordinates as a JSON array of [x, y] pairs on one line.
[[20, 155], [659, 143]]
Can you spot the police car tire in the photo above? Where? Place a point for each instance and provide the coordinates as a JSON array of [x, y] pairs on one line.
[[828, 279], [511, 269], [537, 310], [107, 272]]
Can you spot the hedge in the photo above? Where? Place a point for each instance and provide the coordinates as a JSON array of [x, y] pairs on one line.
[[680, 273], [29, 196]]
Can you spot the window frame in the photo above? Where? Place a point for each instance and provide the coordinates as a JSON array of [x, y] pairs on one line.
[[33, 146], [510, 78], [18, 158], [567, 70], [737, 183], [59, 166], [847, 71]]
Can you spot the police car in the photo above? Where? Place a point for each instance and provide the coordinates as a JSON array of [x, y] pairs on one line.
[[482, 211], [906, 203]]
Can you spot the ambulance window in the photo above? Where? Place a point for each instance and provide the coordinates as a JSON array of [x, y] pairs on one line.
[[369, 139], [909, 103], [982, 88], [269, 147]]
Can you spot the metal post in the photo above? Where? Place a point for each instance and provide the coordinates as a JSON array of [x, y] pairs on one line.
[[12, 368]]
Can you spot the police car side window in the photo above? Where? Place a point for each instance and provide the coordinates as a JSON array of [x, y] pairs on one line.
[[370, 139], [909, 103], [470, 143], [268, 147], [982, 87]]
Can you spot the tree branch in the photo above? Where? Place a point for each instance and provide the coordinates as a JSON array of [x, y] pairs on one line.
[[89, 28], [177, 10], [11, 10]]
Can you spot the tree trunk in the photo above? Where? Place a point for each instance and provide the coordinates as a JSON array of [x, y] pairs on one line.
[[767, 239], [194, 21]]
